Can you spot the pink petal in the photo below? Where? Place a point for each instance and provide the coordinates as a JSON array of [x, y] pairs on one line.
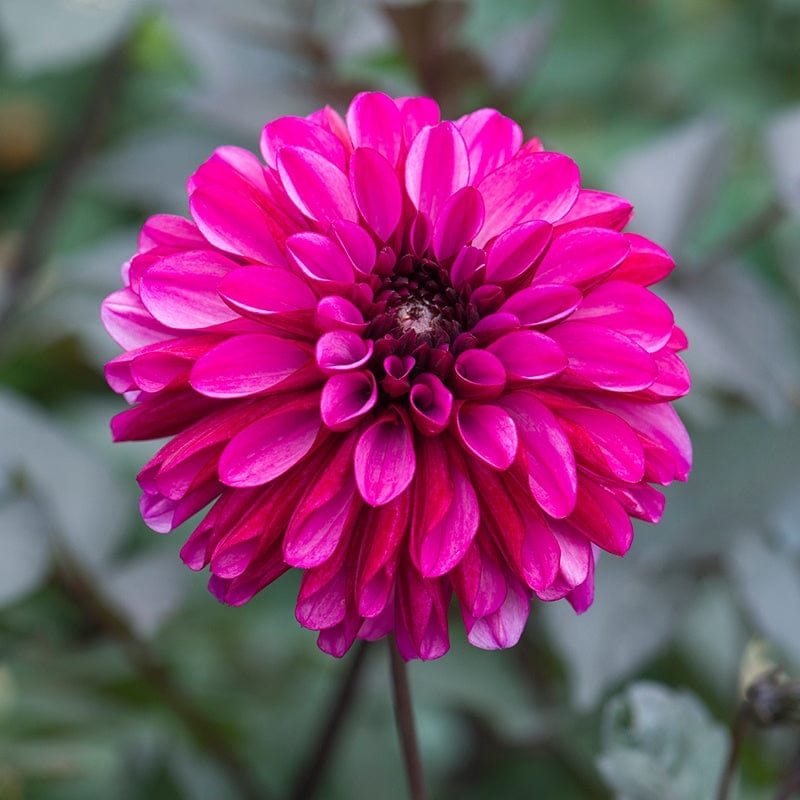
[[543, 303], [529, 355], [438, 549], [374, 121], [575, 564], [247, 364], [417, 113], [641, 501], [338, 313], [504, 627], [582, 596], [606, 442], [478, 374], [270, 446], [346, 398], [320, 258], [538, 186], [489, 433], [602, 519], [597, 209], [631, 310], [324, 514], [673, 379], [384, 459], [316, 186], [431, 404], [552, 474], [234, 167], [602, 358], [376, 191], [491, 140], [235, 222], [479, 581], [459, 221], [265, 290], [493, 326], [582, 256], [646, 263], [299, 132], [437, 166], [516, 250], [356, 244], [181, 290], [540, 554], [339, 351], [466, 266], [129, 323], [167, 230]]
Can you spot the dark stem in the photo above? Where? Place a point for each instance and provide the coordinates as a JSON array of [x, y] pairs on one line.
[[206, 731], [404, 717], [791, 783], [312, 770], [738, 733], [33, 244]]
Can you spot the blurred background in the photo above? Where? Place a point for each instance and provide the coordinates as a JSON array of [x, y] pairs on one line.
[[120, 677]]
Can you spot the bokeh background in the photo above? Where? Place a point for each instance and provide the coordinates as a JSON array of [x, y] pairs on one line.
[[120, 677]]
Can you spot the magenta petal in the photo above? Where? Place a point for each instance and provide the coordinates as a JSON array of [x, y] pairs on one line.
[[543, 303], [431, 404], [181, 290], [267, 448], [320, 258], [417, 112], [540, 553], [437, 166], [646, 263], [234, 222], [489, 433], [582, 257], [611, 445], [597, 209], [552, 473], [335, 313], [129, 323], [480, 374], [376, 190], [356, 244], [384, 459], [631, 310], [529, 355], [168, 230], [299, 132], [516, 250], [247, 364], [504, 627], [265, 290], [466, 266], [459, 221], [346, 398], [315, 185], [602, 519], [603, 358], [491, 140], [339, 351], [444, 545], [373, 120], [538, 186]]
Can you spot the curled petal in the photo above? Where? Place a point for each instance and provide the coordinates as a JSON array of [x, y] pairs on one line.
[[346, 398], [516, 250], [460, 219], [431, 403], [502, 628], [543, 303], [339, 351], [335, 313], [479, 374], [376, 190], [529, 355], [384, 459], [320, 258]]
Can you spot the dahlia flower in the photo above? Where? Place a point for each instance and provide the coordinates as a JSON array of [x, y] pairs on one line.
[[412, 358]]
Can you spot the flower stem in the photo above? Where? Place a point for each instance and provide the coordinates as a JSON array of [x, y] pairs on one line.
[[310, 774], [737, 738], [404, 717]]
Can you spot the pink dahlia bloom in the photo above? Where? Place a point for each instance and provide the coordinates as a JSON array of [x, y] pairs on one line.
[[412, 359]]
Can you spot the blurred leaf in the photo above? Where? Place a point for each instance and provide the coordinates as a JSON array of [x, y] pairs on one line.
[[782, 141], [45, 34], [633, 615], [26, 552], [769, 584], [148, 588], [661, 744], [82, 501], [741, 338], [673, 180]]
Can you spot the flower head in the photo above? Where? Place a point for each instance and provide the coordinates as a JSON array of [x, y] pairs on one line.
[[411, 358]]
